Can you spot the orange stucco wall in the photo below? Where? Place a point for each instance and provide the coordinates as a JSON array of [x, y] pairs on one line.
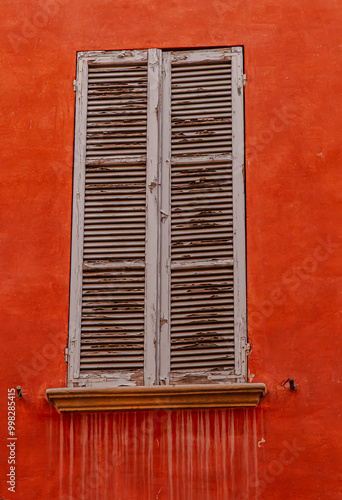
[[290, 447]]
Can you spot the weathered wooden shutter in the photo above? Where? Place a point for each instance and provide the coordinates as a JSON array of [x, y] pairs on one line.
[[157, 274], [206, 309], [108, 289]]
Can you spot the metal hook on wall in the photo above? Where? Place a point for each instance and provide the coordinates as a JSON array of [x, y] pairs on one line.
[[291, 384]]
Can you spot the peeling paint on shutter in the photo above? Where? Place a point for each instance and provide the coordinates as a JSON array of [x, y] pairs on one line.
[[202, 273]]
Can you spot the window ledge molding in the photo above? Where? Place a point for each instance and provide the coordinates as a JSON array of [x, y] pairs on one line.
[[156, 397]]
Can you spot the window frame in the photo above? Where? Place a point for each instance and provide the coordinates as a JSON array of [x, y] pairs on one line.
[[157, 359]]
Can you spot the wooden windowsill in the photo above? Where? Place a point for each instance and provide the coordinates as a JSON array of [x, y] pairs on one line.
[[156, 397]]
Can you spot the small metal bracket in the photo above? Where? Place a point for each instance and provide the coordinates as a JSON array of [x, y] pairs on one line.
[[162, 321], [164, 215], [244, 80], [66, 354], [247, 348], [75, 85], [291, 384]]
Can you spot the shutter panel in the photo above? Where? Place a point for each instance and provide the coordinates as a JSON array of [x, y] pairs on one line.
[[113, 273], [202, 250]]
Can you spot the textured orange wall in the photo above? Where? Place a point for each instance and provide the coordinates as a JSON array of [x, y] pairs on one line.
[[292, 441]]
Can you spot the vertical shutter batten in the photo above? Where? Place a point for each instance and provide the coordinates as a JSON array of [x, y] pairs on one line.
[[152, 309]]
